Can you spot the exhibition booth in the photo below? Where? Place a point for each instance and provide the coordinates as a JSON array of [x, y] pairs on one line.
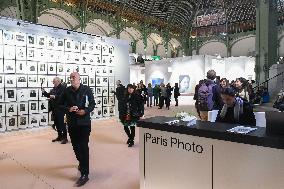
[[32, 55]]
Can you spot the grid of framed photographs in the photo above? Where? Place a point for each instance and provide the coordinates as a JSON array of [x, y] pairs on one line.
[[29, 62]]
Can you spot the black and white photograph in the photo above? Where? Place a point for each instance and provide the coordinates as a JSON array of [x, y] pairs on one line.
[[97, 60], [33, 107], [2, 94], [8, 37], [11, 123], [76, 68], [10, 95], [77, 46], [40, 54], [111, 111], [99, 112], [92, 70], [9, 66], [93, 89], [9, 52], [105, 112], [34, 120], [110, 61], [99, 71], [22, 95], [99, 81], [59, 44], [84, 47], [104, 71], [68, 57], [104, 61], [98, 48], [43, 106], [50, 118], [84, 80], [84, 69], [69, 68], [2, 109], [41, 41], [23, 108], [105, 101], [111, 101], [20, 39], [23, 121], [31, 40], [90, 47], [2, 81], [42, 68], [92, 59], [21, 53], [2, 124], [21, 67], [31, 54], [105, 50], [105, 81], [52, 68], [32, 81], [98, 101], [32, 67], [33, 94], [93, 114], [110, 71], [60, 69], [111, 50], [22, 81], [43, 119], [11, 109], [184, 84], [84, 59], [99, 91], [54, 56], [69, 45], [105, 91], [51, 43], [92, 81], [76, 58], [42, 79]]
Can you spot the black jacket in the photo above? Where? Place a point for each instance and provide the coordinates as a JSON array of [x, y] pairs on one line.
[[136, 106], [247, 118], [120, 93], [70, 98], [57, 91]]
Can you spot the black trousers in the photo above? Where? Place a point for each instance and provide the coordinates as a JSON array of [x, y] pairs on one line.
[[130, 131], [161, 101], [60, 125], [176, 99], [168, 101], [79, 136]]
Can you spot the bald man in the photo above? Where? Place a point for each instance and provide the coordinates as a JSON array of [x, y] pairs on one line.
[[58, 115], [78, 101]]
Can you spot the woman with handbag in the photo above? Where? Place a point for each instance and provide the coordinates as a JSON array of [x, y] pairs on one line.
[[131, 111]]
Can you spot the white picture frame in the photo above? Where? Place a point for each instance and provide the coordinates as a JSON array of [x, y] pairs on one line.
[[69, 68], [68, 45], [23, 121], [111, 101], [85, 80], [98, 49], [76, 58], [105, 91], [105, 101], [43, 119], [111, 88], [33, 120], [84, 47], [99, 101], [110, 61], [23, 108], [22, 95], [97, 60], [77, 46], [99, 81], [42, 80], [2, 109], [92, 81], [40, 54], [32, 67], [99, 91], [21, 53], [21, 67], [51, 68], [104, 81], [111, 81], [105, 112], [84, 69], [104, 71], [42, 68], [54, 56], [50, 118], [111, 111], [31, 40], [11, 109], [9, 52], [59, 44], [12, 123], [51, 41], [60, 69], [43, 106], [2, 81], [85, 59], [2, 124], [99, 112], [33, 81], [33, 107], [105, 51], [90, 48], [10, 95], [22, 81], [20, 39], [41, 41], [8, 37], [31, 54], [111, 50], [9, 66], [111, 71], [33, 94], [92, 59]]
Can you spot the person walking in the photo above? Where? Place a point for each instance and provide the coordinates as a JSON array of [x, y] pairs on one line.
[[156, 92], [176, 93], [149, 95], [54, 98], [78, 101], [163, 96], [169, 90], [119, 93]]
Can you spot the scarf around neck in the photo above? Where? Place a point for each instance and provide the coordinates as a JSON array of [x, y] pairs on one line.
[[238, 109]]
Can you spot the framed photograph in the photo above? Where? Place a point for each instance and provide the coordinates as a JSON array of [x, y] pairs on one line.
[[90, 48], [22, 95], [2, 109], [32, 67], [99, 81], [23, 121], [92, 59], [60, 69], [41, 41], [11, 109], [54, 56], [10, 95], [105, 112], [92, 70], [77, 46], [21, 67], [97, 60], [111, 111], [85, 80], [98, 49], [111, 101], [99, 112], [31, 54], [105, 101], [32, 81], [42, 79], [111, 71], [84, 47], [69, 45], [9, 66], [40, 54], [184, 83], [69, 68], [68, 57], [104, 71], [99, 91], [41, 97], [84, 59], [2, 124], [105, 50], [20, 39], [76, 58], [92, 81], [9, 52], [43, 119], [98, 101], [2, 81], [2, 95], [59, 44], [8, 37], [51, 68], [34, 120], [42, 68], [43, 106], [110, 61], [1, 51], [22, 81], [33, 107], [50, 81], [23, 108], [111, 81], [104, 81], [33, 94], [104, 61], [12, 123], [31, 40], [51, 43], [93, 114], [99, 71], [93, 89], [21, 53], [105, 91], [84, 69], [111, 50]]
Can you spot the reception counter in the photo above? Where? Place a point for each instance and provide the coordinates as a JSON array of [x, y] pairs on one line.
[[206, 156]]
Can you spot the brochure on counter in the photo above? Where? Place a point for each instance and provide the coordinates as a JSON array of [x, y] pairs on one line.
[[241, 129]]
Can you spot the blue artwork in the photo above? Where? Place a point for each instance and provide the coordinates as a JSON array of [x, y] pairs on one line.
[[157, 81]]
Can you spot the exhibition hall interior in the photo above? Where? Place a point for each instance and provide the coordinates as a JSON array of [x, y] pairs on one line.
[[148, 94]]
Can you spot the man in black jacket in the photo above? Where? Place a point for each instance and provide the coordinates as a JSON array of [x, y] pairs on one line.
[[120, 95], [58, 115], [78, 101]]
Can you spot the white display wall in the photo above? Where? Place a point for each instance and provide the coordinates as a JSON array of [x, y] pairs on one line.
[[32, 55], [187, 71]]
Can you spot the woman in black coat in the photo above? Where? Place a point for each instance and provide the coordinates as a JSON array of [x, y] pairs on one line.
[[130, 112], [176, 93]]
